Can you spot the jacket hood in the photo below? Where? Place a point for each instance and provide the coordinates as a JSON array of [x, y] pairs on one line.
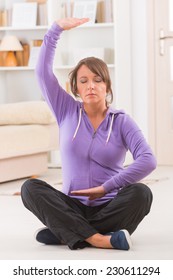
[[111, 111]]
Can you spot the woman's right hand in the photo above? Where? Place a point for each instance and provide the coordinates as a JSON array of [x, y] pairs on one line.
[[68, 23]]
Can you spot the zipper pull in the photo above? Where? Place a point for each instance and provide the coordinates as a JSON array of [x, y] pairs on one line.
[[94, 134]]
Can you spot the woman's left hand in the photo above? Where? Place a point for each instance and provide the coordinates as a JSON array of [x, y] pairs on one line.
[[92, 193], [69, 23]]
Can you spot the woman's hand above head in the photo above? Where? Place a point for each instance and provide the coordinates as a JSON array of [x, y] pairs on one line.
[[69, 23]]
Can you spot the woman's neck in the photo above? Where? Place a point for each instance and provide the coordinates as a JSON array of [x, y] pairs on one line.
[[95, 114], [94, 111]]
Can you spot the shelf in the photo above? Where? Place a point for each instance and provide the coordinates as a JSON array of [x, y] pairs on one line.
[[37, 28], [45, 27], [68, 67], [97, 25], [58, 67], [19, 68]]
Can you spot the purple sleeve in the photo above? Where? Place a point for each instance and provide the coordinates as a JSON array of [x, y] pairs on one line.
[[60, 102], [144, 160]]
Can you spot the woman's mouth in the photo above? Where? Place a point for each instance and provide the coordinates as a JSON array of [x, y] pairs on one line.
[[91, 94]]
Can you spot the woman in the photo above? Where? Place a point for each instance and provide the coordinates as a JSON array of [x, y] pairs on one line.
[[101, 203]]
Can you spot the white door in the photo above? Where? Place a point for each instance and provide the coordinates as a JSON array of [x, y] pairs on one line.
[[164, 80]]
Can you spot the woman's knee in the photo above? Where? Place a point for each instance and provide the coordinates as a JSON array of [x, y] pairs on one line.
[[28, 187], [144, 191], [143, 195]]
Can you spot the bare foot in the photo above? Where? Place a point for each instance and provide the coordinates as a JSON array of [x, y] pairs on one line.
[[100, 241]]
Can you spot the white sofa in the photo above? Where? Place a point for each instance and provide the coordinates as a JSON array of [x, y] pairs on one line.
[[28, 131]]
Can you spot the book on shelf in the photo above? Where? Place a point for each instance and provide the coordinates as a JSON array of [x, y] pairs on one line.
[[23, 56], [104, 11], [38, 1], [19, 57], [36, 43], [24, 14], [42, 15], [0, 18], [26, 53], [4, 18], [67, 8], [85, 9]]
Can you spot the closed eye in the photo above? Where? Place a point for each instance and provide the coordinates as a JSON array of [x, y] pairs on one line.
[[98, 80], [82, 81]]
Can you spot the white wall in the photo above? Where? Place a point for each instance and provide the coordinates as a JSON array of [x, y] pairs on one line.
[[123, 55], [139, 58], [132, 60]]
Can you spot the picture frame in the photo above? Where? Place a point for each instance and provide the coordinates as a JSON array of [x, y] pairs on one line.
[[85, 9], [24, 15]]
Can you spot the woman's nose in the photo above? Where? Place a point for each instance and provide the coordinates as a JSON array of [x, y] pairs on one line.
[[90, 84]]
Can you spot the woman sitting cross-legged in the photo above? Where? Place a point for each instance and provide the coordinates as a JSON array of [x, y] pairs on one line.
[[101, 202]]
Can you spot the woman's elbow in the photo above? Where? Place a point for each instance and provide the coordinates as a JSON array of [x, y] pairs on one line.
[[152, 162]]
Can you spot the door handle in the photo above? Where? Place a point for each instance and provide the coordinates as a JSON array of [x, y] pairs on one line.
[[162, 37]]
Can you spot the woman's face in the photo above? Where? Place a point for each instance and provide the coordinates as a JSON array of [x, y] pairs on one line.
[[90, 86]]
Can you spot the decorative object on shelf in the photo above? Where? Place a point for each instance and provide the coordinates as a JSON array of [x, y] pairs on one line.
[[86, 9], [24, 15], [10, 44]]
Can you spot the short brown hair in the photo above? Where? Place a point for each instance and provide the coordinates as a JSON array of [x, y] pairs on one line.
[[98, 67]]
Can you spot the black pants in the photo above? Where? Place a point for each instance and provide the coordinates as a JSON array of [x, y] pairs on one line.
[[72, 222]]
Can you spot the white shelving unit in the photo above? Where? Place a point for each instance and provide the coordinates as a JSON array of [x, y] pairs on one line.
[[19, 83]]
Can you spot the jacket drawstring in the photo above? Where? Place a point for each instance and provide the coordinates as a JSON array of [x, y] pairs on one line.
[[110, 128], [79, 121], [80, 117]]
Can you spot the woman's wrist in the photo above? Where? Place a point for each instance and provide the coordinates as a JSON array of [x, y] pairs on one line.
[[58, 22]]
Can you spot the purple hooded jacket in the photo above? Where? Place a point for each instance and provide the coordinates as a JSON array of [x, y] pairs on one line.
[[91, 158]]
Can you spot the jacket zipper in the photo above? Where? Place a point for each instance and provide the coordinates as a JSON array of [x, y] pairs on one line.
[[89, 154]]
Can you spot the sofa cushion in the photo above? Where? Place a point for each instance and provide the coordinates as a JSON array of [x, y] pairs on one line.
[[19, 140], [30, 112]]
